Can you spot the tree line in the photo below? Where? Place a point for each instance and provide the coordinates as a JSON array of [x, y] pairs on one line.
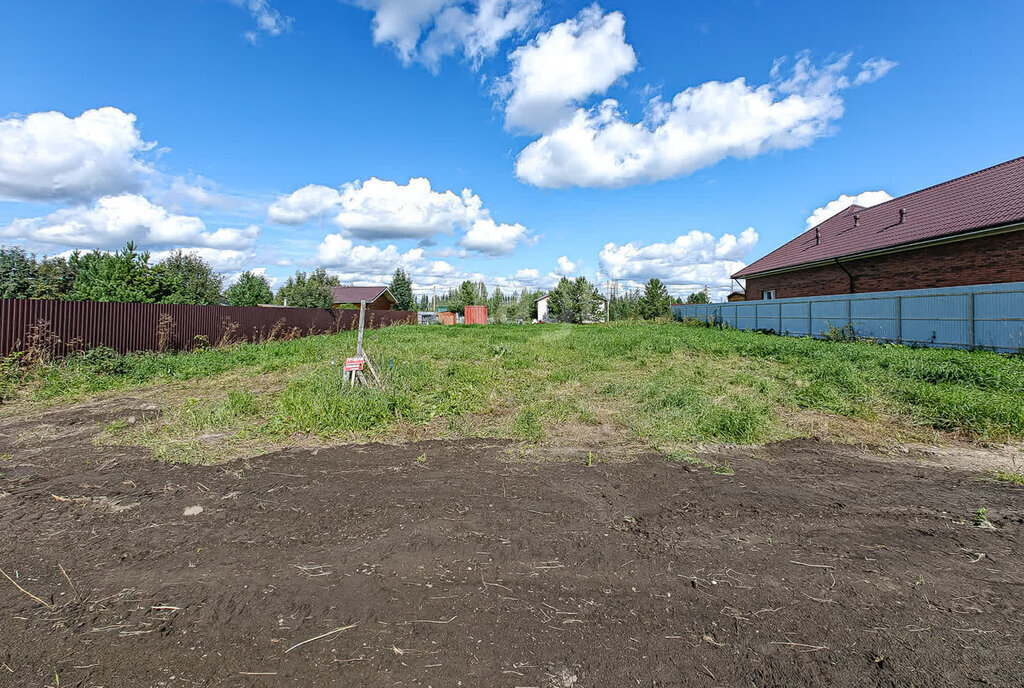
[[126, 276], [571, 301], [184, 278]]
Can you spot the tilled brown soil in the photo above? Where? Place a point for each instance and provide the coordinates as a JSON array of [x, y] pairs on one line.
[[449, 564]]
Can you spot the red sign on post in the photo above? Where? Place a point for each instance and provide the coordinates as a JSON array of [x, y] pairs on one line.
[[353, 364]]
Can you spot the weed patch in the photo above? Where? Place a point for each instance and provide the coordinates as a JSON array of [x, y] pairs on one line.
[[667, 384]]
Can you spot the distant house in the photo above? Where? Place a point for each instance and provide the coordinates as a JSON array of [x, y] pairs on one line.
[[542, 308], [736, 296], [377, 298], [966, 231]]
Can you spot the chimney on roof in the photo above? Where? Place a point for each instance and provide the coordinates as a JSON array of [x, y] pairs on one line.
[[856, 220], [817, 236], [903, 214]]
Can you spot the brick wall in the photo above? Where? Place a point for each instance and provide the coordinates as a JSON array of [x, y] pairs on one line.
[[988, 260]]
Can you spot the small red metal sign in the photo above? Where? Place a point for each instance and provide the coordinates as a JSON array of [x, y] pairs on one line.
[[353, 364]]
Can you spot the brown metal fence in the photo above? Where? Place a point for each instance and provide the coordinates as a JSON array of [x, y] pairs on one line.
[[65, 326]]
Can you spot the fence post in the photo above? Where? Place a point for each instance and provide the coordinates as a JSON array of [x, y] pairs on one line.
[[970, 318], [810, 320], [899, 319]]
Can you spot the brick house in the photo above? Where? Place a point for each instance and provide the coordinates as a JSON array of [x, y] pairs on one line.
[[377, 298], [966, 231]]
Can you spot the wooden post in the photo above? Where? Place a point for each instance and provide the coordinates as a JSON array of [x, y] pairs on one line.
[[362, 324]]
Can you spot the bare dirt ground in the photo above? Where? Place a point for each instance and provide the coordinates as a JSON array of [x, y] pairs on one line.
[[454, 564]]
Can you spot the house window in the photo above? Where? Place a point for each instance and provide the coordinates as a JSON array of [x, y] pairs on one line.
[[768, 294]]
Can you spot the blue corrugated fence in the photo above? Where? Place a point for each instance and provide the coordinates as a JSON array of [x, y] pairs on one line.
[[989, 316]]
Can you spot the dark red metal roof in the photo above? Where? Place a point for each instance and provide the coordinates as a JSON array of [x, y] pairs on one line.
[[357, 294], [988, 198]]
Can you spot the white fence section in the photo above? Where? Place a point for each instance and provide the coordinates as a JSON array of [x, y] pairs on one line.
[[988, 316]]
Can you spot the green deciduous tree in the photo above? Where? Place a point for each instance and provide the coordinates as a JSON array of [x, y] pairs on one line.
[[187, 278], [312, 290], [655, 301], [401, 289], [250, 289]]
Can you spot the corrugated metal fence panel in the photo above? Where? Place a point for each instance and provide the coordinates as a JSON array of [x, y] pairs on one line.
[[987, 316], [476, 315], [71, 325]]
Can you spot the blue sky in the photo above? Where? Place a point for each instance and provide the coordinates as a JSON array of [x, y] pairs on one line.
[[609, 140]]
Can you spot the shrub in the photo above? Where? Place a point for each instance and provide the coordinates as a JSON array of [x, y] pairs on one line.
[[100, 360]]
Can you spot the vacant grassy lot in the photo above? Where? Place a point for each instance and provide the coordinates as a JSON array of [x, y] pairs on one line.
[[667, 386]]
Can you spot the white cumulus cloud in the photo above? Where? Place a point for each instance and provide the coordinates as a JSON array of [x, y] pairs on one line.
[[426, 31], [865, 199], [114, 220], [260, 271], [337, 251], [360, 264], [701, 126], [566, 267], [562, 66], [305, 204], [220, 259], [380, 209], [687, 264], [50, 156], [491, 238]]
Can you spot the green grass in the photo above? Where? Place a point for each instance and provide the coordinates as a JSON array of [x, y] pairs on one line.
[[668, 385], [1015, 477]]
